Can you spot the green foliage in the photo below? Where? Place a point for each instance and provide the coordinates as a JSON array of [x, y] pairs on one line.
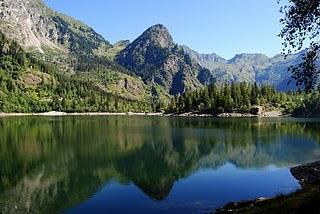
[[56, 92], [310, 106], [307, 73], [301, 25], [237, 97], [301, 22]]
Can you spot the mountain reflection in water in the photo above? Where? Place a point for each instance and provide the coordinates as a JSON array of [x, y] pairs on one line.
[[71, 164]]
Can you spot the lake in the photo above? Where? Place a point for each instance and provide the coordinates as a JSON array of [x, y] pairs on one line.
[[122, 164]]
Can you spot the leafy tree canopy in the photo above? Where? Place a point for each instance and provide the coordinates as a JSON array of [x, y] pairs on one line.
[[301, 25]]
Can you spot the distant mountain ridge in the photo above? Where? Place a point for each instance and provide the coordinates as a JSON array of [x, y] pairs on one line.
[[249, 68], [209, 61]]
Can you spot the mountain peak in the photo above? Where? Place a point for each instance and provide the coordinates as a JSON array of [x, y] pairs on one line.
[[158, 28], [148, 51], [157, 59], [158, 35]]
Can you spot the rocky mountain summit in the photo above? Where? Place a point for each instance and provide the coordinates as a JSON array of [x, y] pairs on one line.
[[148, 51], [156, 58]]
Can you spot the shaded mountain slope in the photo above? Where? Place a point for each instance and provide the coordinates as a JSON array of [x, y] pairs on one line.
[[156, 58]]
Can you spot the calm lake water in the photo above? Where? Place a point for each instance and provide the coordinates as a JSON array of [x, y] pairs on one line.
[[148, 164]]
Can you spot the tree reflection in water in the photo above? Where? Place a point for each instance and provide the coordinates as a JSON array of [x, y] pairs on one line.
[[51, 164]]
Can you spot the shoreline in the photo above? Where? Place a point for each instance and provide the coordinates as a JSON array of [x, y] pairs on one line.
[[305, 198], [274, 114], [58, 114]]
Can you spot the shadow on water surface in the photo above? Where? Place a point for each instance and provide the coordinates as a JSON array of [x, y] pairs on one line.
[[54, 164]]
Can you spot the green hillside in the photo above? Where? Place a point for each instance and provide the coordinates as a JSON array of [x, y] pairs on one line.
[[29, 85]]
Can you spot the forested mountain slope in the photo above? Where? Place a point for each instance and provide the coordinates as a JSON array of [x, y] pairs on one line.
[[71, 45], [30, 85]]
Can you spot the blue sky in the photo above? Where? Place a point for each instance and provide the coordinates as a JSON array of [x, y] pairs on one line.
[[226, 27]]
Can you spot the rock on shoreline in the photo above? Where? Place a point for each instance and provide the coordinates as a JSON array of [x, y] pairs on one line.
[[307, 174]]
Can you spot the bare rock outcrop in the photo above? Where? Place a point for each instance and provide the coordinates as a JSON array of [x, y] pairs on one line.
[[307, 174]]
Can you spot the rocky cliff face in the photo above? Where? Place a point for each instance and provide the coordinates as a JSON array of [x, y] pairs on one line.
[[23, 21], [36, 26], [39, 29]]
